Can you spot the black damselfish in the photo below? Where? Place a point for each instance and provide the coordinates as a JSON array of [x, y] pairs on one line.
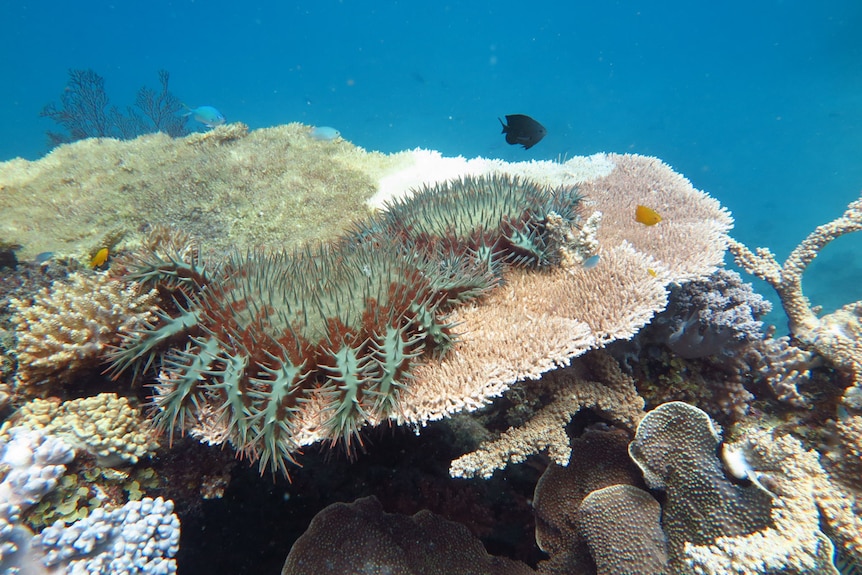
[[524, 130]]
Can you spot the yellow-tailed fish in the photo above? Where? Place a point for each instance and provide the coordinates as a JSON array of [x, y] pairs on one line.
[[647, 216], [100, 258]]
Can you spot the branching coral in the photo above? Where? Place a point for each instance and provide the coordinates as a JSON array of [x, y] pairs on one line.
[[837, 337], [105, 425], [66, 328], [594, 382]]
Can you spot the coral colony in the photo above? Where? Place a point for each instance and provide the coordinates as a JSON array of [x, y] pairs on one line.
[[550, 284], [341, 324]]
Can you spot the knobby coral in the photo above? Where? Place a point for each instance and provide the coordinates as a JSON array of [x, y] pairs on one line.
[[67, 327], [718, 515]]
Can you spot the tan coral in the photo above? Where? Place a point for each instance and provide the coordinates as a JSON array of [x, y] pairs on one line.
[[715, 526], [837, 338], [105, 425], [841, 502], [783, 366], [792, 542], [67, 326], [595, 382], [622, 526], [537, 321]]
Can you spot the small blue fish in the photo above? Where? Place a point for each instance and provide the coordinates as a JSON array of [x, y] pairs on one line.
[[324, 133], [206, 115], [591, 262], [43, 257]]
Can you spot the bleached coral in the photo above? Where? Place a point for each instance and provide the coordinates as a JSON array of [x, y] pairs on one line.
[[65, 328]]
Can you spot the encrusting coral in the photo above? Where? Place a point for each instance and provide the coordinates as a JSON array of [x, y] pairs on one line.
[[752, 511], [360, 537]]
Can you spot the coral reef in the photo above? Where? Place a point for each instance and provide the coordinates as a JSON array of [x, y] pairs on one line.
[[523, 303], [104, 425], [230, 187], [621, 525], [707, 317], [594, 381], [718, 515], [140, 537], [66, 328], [359, 536]]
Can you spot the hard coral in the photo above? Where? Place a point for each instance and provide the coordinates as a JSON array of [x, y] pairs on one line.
[[359, 537], [66, 328], [717, 515]]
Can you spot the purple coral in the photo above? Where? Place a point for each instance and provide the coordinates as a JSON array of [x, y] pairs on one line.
[[706, 317]]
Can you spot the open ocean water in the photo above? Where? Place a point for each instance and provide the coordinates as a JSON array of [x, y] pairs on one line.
[[759, 104]]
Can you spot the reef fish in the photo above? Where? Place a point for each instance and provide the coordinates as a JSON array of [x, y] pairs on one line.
[[206, 115], [524, 130], [100, 258], [646, 216], [324, 133], [591, 262]]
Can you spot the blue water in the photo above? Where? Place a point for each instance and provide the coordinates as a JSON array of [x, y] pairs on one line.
[[758, 103]]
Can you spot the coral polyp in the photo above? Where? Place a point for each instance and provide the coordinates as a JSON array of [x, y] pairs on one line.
[[261, 348]]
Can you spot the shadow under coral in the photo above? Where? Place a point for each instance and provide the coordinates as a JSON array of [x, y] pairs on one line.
[[252, 527]]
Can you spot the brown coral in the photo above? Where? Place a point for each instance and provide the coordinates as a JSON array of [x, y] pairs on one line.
[[359, 537], [622, 527], [715, 526]]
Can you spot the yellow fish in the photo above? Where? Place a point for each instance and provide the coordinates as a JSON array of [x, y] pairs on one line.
[[652, 272], [100, 258], [647, 216]]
